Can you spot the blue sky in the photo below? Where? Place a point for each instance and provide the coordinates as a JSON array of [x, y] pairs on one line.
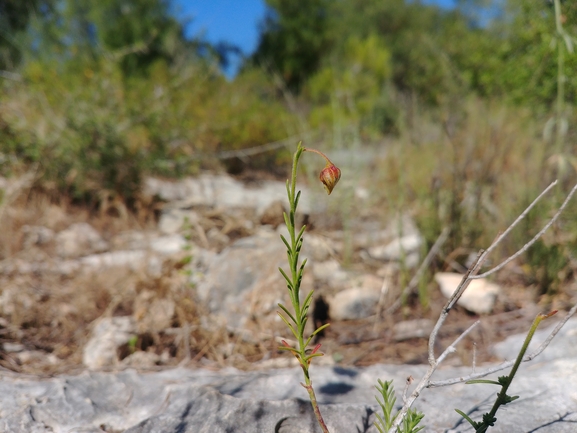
[[234, 21]]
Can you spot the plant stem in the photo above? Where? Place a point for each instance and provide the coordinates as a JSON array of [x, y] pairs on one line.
[[299, 319]]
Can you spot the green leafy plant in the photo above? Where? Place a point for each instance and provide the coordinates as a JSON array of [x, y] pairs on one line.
[[489, 418], [296, 319], [385, 422], [132, 342]]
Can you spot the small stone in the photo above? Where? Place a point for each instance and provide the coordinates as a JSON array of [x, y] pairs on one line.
[[12, 347], [354, 303], [407, 329], [330, 271], [398, 249], [36, 235], [79, 239], [141, 359], [107, 336], [480, 296], [153, 314], [173, 220]]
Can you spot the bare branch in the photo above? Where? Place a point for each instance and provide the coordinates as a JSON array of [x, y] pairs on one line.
[[506, 364], [470, 275], [450, 303], [424, 265], [519, 218], [535, 238], [408, 383], [452, 347]]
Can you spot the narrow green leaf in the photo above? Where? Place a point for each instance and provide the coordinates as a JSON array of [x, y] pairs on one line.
[[301, 233], [314, 355], [308, 298], [289, 349], [287, 312], [297, 198], [319, 329], [288, 280], [492, 382], [289, 325], [464, 415], [287, 221], [285, 242]]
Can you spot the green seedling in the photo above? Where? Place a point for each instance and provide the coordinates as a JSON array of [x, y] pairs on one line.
[[489, 418], [296, 319]]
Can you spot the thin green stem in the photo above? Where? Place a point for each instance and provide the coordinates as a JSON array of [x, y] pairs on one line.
[[293, 280]]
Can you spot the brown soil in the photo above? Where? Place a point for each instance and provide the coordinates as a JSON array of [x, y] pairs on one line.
[[51, 316]]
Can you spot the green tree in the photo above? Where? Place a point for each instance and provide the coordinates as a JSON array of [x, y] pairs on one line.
[[293, 39], [15, 16]]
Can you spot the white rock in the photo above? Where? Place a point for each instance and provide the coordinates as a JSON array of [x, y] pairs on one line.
[[330, 271], [479, 297], [406, 329], [36, 235], [153, 314], [141, 359], [172, 220], [168, 245], [131, 259], [317, 248], [243, 281], [78, 240], [108, 334], [354, 303], [397, 249], [221, 191], [371, 235]]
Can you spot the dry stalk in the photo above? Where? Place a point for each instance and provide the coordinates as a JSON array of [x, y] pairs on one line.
[[415, 280], [506, 364], [472, 273]]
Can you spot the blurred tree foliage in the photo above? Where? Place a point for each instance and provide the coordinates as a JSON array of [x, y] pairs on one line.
[[96, 94], [295, 36], [15, 17], [109, 90], [106, 90], [496, 49]]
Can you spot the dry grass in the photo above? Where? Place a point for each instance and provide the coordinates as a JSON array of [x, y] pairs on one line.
[[52, 314], [473, 174]]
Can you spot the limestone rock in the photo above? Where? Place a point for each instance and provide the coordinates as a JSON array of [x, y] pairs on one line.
[[405, 248], [153, 314], [479, 297], [141, 360], [172, 220], [79, 239], [419, 328], [357, 302], [107, 336], [371, 234], [232, 401], [220, 191], [330, 272], [36, 235], [243, 281]]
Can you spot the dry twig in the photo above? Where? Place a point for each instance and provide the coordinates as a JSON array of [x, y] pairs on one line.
[[472, 273], [415, 280]]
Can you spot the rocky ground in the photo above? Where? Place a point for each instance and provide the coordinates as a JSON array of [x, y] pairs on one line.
[[192, 280]]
